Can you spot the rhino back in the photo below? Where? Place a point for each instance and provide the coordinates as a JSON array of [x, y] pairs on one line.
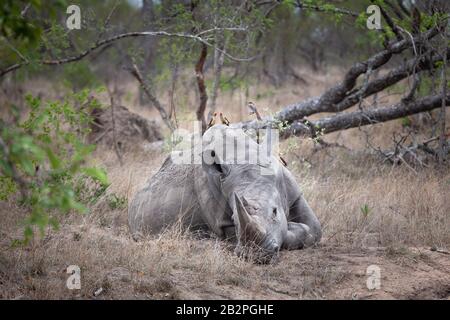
[[168, 197]]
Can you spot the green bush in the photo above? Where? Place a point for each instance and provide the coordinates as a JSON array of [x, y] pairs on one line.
[[43, 156]]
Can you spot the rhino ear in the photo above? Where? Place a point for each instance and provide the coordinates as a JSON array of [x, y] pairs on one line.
[[213, 165]]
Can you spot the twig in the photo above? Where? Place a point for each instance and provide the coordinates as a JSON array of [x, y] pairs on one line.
[[172, 108], [113, 128], [101, 135], [15, 50], [430, 140], [323, 9], [137, 74], [107, 20], [412, 39], [25, 10]]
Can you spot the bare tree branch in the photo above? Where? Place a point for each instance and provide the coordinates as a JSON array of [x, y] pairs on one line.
[[107, 41], [394, 76], [336, 94], [302, 5], [137, 74]]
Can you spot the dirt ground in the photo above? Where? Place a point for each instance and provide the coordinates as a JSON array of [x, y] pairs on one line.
[[198, 272]]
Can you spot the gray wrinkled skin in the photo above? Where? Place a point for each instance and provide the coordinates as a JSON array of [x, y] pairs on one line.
[[234, 201]]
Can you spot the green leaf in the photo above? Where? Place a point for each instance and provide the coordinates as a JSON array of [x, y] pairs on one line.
[[365, 210], [97, 174], [55, 162], [27, 166]]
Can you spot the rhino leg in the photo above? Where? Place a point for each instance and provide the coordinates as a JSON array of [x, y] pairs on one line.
[[298, 236], [304, 228]]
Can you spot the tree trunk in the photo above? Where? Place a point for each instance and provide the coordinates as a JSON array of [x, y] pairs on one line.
[[218, 64], [201, 86]]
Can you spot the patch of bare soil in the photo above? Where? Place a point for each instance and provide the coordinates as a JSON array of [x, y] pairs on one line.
[[405, 273]]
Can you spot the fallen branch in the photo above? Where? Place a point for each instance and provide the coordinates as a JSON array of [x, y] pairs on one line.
[[355, 119]]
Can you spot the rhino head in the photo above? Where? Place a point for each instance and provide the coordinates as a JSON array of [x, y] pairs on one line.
[[252, 191]]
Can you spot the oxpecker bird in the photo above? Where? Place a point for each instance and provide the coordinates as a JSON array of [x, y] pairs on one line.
[[213, 121], [224, 120]]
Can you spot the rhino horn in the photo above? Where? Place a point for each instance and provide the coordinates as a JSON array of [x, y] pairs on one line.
[[250, 227]]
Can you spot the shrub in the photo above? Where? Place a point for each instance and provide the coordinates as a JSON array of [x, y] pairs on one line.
[[44, 155]]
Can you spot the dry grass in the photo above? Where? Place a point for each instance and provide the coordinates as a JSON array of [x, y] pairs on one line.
[[363, 203], [365, 206]]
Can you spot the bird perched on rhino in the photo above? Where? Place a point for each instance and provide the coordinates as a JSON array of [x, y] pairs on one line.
[[222, 120], [219, 118], [212, 121]]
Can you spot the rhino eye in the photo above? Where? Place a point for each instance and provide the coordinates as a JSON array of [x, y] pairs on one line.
[[274, 212]]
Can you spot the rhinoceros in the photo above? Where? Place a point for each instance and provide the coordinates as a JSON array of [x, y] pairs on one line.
[[237, 189]]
